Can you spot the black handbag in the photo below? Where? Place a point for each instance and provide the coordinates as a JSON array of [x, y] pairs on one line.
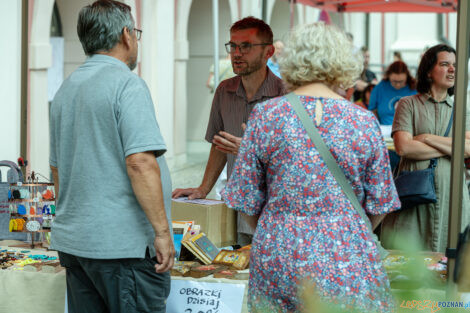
[[417, 187]]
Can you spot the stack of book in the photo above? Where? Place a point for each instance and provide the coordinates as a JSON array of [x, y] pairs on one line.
[[238, 259], [200, 246], [180, 229]]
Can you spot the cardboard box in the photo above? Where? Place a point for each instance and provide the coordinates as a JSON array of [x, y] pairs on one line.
[[217, 221]]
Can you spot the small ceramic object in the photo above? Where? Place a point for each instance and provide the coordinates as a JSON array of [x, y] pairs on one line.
[[33, 226]]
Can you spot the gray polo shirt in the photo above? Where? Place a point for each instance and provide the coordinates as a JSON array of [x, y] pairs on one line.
[[101, 114], [230, 107]]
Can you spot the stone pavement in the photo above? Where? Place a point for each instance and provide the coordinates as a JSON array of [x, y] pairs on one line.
[[189, 175]]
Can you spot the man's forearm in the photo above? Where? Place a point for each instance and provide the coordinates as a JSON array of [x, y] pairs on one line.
[[214, 167], [144, 174], [360, 85]]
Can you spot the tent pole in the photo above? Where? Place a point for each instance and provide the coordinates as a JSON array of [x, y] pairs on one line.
[[215, 23], [458, 141], [24, 82], [367, 29], [291, 16], [447, 26], [382, 43], [264, 11]]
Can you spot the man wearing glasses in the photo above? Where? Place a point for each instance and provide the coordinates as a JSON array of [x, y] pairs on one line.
[[250, 47], [111, 227]]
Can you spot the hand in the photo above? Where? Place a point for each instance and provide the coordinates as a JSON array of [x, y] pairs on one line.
[[360, 85], [228, 143], [165, 252], [191, 193]]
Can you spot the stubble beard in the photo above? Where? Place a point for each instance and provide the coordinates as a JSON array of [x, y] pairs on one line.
[[251, 67], [132, 64]]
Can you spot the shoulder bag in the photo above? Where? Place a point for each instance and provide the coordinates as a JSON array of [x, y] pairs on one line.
[[332, 165], [417, 187]]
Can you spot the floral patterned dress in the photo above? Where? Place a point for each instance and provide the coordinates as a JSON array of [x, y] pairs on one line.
[[308, 231]]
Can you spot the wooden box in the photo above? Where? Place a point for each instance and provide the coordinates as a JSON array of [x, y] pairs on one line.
[[217, 221]]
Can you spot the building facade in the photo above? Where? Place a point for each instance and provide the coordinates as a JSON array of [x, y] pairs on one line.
[[175, 54]]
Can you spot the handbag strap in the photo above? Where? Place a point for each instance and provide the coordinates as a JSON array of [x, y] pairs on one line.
[[330, 161], [433, 162], [450, 123]]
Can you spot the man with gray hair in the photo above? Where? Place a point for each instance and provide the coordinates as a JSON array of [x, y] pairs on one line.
[[111, 227]]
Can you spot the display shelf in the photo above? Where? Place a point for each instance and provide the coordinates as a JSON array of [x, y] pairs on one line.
[[30, 184], [31, 196], [31, 215], [31, 201], [44, 230]]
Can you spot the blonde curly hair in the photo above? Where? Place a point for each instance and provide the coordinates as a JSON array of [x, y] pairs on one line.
[[320, 53]]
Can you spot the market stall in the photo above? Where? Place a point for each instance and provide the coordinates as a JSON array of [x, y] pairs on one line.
[[414, 279], [417, 280], [32, 274], [458, 134], [201, 282]]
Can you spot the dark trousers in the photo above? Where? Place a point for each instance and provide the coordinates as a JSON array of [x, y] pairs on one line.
[[114, 285]]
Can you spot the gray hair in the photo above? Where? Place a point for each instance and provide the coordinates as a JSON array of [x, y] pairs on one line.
[[100, 25], [320, 53]]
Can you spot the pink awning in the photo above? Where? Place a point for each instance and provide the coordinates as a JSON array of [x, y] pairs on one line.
[[436, 6]]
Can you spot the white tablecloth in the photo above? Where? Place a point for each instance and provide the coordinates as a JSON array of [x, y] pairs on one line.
[[22, 291]]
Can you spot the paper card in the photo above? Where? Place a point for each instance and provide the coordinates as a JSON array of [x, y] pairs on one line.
[[189, 296], [198, 201]]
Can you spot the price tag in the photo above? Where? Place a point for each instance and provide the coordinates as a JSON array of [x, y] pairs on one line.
[[36, 200], [188, 296], [19, 184]]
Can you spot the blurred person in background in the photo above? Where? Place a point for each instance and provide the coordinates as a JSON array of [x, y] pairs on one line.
[[397, 83], [306, 227], [418, 133], [351, 38], [225, 72], [367, 76], [397, 56], [273, 61], [365, 97]]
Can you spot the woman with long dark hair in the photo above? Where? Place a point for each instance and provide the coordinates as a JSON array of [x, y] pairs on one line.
[[397, 83], [418, 132]]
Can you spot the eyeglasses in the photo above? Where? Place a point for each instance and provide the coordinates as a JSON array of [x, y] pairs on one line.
[[244, 47], [138, 33], [398, 82]]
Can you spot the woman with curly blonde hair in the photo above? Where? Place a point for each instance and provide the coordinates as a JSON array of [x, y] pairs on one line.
[[306, 228]]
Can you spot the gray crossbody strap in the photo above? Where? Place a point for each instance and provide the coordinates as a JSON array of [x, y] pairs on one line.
[[327, 156]]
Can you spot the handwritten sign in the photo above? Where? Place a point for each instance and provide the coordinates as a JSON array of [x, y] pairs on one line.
[[188, 296]]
